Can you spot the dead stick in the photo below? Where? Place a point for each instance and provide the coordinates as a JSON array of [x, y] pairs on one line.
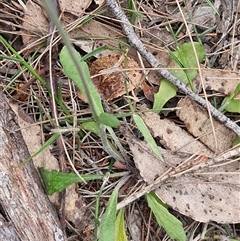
[[138, 45]]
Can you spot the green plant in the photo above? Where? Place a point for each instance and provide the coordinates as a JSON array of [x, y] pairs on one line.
[[133, 12], [55, 181], [183, 65], [120, 233], [231, 103], [107, 224], [170, 223]]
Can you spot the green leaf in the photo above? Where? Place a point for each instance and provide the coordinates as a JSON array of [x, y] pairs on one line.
[[94, 52], [166, 91], [147, 135], [91, 126], [88, 89], [109, 120], [236, 141], [55, 181], [186, 56], [232, 105], [107, 223], [120, 233], [183, 57], [213, 7], [71, 71], [171, 224]]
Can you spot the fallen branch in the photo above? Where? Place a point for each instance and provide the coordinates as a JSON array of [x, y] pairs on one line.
[[26, 213], [138, 45]]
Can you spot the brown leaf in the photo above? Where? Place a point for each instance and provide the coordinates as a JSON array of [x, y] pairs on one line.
[[222, 81], [105, 35], [198, 124], [75, 206], [207, 194], [112, 84], [35, 23], [21, 95], [33, 139], [74, 7], [172, 136], [149, 91]]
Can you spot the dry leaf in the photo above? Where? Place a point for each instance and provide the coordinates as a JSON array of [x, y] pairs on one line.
[[33, 139], [21, 95], [74, 7], [208, 194], [149, 91], [134, 225], [75, 206], [204, 17], [99, 2], [35, 23], [103, 34], [222, 81], [172, 136], [112, 84], [198, 124]]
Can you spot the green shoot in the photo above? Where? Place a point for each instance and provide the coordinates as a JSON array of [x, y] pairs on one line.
[[147, 135], [133, 12], [96, 221], [213, 7], [170, 223], [20, 59], [107, 224], [183, 57], [43, 147], [230, 103], [120, 233]]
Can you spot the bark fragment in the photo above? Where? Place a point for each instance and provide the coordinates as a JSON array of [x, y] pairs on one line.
[[22, 199]]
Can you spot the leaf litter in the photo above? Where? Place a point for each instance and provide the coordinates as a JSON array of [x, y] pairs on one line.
[[198, 124], [172, 136], [35, 20], [208, 194], [188, 145]]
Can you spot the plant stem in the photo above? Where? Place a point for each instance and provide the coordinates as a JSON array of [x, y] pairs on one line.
[[54, 18]]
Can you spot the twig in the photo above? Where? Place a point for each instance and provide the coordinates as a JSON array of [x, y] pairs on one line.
[[138, 45]]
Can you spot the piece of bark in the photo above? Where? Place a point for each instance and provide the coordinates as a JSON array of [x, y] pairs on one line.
[[22, 198], [7, 231]]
